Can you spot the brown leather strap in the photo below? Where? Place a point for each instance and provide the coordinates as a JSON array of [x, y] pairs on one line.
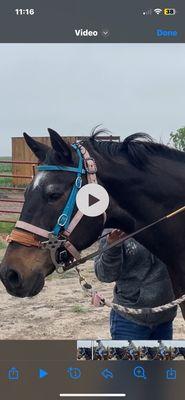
[[89, 164], [32, 228], [22, 237]]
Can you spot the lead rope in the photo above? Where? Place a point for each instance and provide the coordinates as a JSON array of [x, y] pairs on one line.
[[98, 300]]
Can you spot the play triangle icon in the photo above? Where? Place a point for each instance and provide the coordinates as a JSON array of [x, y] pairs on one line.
[[92, 200], [42, 373]]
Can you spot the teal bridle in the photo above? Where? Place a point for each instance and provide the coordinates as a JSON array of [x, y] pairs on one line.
[[66, 214]]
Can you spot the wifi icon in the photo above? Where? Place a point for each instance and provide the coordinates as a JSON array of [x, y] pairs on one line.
[[158, 11]]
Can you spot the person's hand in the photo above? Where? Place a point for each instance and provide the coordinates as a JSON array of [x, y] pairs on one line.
[[115, 235]]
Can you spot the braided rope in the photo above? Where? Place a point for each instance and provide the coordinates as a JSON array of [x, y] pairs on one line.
[[91, 292], [145, 310]]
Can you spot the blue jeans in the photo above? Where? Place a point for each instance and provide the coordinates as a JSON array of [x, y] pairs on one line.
[[124, 329]]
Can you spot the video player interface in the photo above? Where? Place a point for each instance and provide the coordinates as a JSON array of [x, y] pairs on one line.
[[92, 170]]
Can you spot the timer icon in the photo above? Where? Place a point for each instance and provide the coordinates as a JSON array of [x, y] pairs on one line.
[[74, 373]]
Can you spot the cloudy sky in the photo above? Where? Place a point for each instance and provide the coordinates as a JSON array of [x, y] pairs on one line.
[[72, 88]]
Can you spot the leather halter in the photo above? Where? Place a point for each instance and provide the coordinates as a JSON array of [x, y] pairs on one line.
[[28, 235]]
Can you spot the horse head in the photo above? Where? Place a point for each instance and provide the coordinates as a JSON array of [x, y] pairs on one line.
[[24, 267]]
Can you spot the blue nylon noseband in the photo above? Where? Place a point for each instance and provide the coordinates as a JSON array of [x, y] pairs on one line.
[[66, 214]]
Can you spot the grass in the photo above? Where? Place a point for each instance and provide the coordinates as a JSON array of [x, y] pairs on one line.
[[5, 169], [5, 181], [79, 309], [2, 245], [6, 227]]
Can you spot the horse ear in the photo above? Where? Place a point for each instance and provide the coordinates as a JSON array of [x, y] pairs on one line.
[[59, 145], [39, 149]]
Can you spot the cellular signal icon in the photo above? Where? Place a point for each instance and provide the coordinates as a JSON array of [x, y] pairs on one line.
[[158, 11], [147, 12]]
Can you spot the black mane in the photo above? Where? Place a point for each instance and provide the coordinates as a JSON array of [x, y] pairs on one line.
[[137, 147]]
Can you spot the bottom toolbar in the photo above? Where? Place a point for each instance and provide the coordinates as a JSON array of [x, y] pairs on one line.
[[54, 370], [52, 380]]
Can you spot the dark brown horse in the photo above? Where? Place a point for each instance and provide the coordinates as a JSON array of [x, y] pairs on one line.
[[145, 181]]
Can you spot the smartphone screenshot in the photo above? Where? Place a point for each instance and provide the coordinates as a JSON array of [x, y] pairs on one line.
[[92, 203]]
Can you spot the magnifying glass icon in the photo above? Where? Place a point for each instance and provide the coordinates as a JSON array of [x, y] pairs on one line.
[[139, 372]]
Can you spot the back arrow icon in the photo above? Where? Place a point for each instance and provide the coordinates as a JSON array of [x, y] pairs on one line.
[[107, 374]]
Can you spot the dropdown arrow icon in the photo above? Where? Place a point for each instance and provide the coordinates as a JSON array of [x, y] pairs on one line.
[[105, 32]]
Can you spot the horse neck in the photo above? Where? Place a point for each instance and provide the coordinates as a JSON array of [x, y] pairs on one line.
[[120, 178], [145, 193], [111, 171]]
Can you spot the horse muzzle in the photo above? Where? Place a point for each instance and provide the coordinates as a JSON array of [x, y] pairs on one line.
[[18, 286]]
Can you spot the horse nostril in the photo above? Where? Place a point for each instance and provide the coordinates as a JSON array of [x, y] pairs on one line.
[[13, 278]]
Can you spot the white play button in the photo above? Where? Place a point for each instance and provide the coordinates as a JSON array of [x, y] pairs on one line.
[[92, 200]]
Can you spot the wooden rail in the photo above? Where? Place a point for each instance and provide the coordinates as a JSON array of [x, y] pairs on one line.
[[20, 201]]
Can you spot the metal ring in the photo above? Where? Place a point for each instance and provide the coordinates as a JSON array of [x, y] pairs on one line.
[[65, 216], [60, 270], [82, 149], [94, 171], [78, 182]]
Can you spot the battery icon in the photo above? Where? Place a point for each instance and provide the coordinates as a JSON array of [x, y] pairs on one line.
[[169, 11]]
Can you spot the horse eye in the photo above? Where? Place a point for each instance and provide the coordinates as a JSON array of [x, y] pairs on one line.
[[54, 196]]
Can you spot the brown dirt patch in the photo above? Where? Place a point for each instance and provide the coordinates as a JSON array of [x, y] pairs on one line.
[[61, 311]]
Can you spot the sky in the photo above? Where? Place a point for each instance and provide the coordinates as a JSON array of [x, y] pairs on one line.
[[72, 88]]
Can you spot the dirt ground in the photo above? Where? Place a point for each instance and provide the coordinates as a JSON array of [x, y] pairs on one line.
[[61, 311]]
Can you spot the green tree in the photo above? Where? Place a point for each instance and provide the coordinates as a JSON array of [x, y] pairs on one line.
[[178, 139]]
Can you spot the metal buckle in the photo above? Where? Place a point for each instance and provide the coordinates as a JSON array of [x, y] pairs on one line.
[[53, 244], [94, 171], [78, 182], [64, 217]]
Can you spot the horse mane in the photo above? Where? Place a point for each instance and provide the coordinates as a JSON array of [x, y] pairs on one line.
[[107, 147], [138, 148]]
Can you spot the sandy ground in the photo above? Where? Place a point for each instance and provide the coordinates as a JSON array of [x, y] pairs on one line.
[[61, 311]]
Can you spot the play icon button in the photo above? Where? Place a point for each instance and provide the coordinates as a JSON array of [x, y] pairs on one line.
[[42, 373], [92, 200]]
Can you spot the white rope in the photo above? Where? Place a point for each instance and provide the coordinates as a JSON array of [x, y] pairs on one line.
[[88, 289], [145, 310]]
